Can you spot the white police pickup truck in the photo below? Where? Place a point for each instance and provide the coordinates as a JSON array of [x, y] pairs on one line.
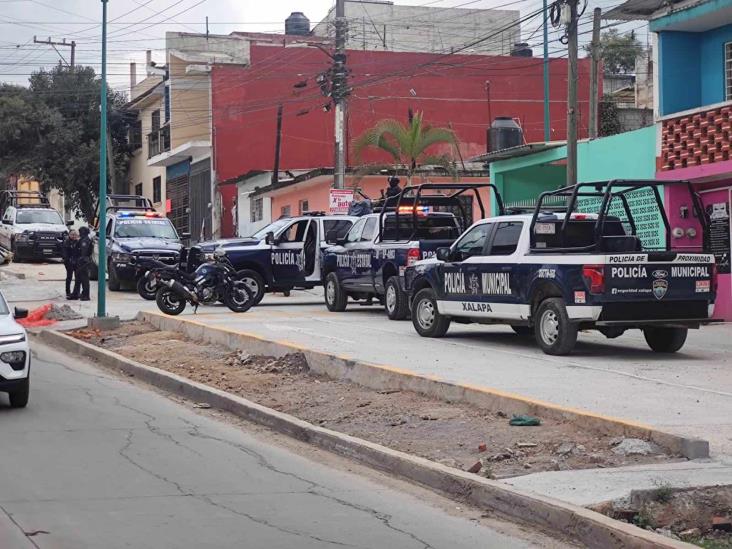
[[14, 355], [556, 273]]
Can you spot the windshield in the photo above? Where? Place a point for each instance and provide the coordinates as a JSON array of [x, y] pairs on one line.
[[145, 228], [26, 217], [274, 227]]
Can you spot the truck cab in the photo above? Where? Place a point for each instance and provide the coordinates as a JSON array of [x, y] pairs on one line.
[[284, 255], [30, 228], [134, 232], [551, 274]]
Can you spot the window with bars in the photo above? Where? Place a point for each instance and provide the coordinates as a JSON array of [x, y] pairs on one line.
[[157, 190], [303, 206], [256, 209], [728, 71]]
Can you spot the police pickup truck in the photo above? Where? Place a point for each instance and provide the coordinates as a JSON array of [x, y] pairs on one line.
[[134, 232], [30, 228], [284, 255], [369, 261], [553, 274]]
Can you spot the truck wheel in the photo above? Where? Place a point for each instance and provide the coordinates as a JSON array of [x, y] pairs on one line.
[[426, 318], [19, 397], [665, 340], [254, 282], [113, 283], [555, 333], [523, 331], [395, 300], [335, 297]]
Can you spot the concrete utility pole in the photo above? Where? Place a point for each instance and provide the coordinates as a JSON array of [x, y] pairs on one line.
[[594, 72], [340, 93], [570, 17], [102, 241], [547, 121], [53, 44]]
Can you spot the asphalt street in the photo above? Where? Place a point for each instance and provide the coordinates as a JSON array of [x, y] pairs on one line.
[[97, 461]]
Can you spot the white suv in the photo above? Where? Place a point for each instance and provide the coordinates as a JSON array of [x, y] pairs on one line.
[[14, 355]]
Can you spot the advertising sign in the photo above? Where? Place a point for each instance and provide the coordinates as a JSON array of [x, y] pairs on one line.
[[339, 201]]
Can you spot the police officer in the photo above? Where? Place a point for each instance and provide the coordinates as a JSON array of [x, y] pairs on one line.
[[84, 249], [70, 256], [393, 189]]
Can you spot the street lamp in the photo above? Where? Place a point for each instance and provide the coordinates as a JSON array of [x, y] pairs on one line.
[[101, 236]]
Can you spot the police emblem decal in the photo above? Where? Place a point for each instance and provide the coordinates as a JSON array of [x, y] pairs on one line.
[[660, 287]]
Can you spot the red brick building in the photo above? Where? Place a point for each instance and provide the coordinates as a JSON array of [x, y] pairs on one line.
[[464, 92]]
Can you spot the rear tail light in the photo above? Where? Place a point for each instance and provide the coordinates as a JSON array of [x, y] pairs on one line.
[[412, 256], [715, 278], [594, 276]]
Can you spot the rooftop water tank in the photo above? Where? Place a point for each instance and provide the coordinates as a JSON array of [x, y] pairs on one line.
[[504, 133], [297, 24], [521, 49]]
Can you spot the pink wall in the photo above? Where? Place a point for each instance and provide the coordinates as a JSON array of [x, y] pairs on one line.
[[676, 197]]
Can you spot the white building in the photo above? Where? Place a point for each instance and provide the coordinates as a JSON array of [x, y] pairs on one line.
[[381, 25]]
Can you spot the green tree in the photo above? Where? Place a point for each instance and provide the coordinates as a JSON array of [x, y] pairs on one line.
[[609, 117], [618, 51], [50, 131], [409, 144]]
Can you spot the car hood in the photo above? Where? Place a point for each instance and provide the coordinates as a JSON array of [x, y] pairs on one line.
[[41, 227], [8, 326], [157, 244], [211, 245]]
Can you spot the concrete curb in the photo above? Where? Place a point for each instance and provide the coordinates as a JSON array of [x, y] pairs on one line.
[[587, 527], [382, 377]]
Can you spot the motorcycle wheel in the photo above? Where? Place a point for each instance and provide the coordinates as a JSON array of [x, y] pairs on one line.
[[238, 297], [169, 302], [147, 288]]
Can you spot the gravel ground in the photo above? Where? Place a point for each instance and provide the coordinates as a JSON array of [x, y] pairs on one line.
[[456, 435]]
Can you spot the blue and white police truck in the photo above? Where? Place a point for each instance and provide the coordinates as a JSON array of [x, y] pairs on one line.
[[284, 255], [369, 262], [558, 270]]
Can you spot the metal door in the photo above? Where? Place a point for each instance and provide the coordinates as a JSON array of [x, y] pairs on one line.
[[200, 201]]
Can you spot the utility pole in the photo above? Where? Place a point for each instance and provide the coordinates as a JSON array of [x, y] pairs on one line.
[[102, 241], [594, 71], [53, 44], [570, 19], [340, 93], [547, 120]]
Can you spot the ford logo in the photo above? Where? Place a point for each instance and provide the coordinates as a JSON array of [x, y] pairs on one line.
[[660, 274]]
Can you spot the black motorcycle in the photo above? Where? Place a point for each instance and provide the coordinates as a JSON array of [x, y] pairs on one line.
[[213, 281], [153, 270]]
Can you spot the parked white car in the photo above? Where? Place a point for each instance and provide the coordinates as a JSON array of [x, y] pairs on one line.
[[14, 355]]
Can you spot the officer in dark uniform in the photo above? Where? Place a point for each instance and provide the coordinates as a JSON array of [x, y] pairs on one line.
[[70, 256], [393, 189], [84, 248]]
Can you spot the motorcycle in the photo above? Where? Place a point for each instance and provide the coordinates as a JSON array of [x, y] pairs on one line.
[[148, 283], [212, 281]]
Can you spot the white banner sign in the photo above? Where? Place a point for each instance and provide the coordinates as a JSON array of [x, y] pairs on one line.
[[340, 199]]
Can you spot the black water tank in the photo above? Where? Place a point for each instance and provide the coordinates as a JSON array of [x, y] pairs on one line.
[[297, 24], [521, 49], [504, 133]]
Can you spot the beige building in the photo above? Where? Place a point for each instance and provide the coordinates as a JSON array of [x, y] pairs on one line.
[[382, 25]]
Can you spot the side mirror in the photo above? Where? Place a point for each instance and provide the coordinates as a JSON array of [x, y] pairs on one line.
[[443, 254], [7, 221], [269, 238], [185, 235], [20, 313], [332, 237], [69, 223]]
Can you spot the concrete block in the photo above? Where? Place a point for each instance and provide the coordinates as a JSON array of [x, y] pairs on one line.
[[103, 323]]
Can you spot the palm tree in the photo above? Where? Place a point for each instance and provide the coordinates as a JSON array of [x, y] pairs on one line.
[[407, 144]]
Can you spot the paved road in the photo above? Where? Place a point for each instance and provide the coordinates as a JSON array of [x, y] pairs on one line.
[[96, 461]]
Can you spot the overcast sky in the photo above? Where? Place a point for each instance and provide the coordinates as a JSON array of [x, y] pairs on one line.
[[137, 25]]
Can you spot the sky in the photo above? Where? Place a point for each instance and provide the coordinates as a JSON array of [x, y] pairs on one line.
[[138, 25]]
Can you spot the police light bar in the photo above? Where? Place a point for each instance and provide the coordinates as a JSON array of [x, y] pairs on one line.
[[411, 209]]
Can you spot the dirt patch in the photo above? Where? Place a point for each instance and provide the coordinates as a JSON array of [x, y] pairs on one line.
[[702, 516], [456, 435]]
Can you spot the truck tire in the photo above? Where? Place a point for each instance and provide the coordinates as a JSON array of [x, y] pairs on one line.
[[426, 318], [254, 282], [335, 298], [19, 397], [665, 340], [555, 333], [113, 282], [396, 302]]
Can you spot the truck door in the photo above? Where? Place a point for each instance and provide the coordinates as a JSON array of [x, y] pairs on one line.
[[363, 254], [459, 288], [6, 230], [345, 268], [288, 254]]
